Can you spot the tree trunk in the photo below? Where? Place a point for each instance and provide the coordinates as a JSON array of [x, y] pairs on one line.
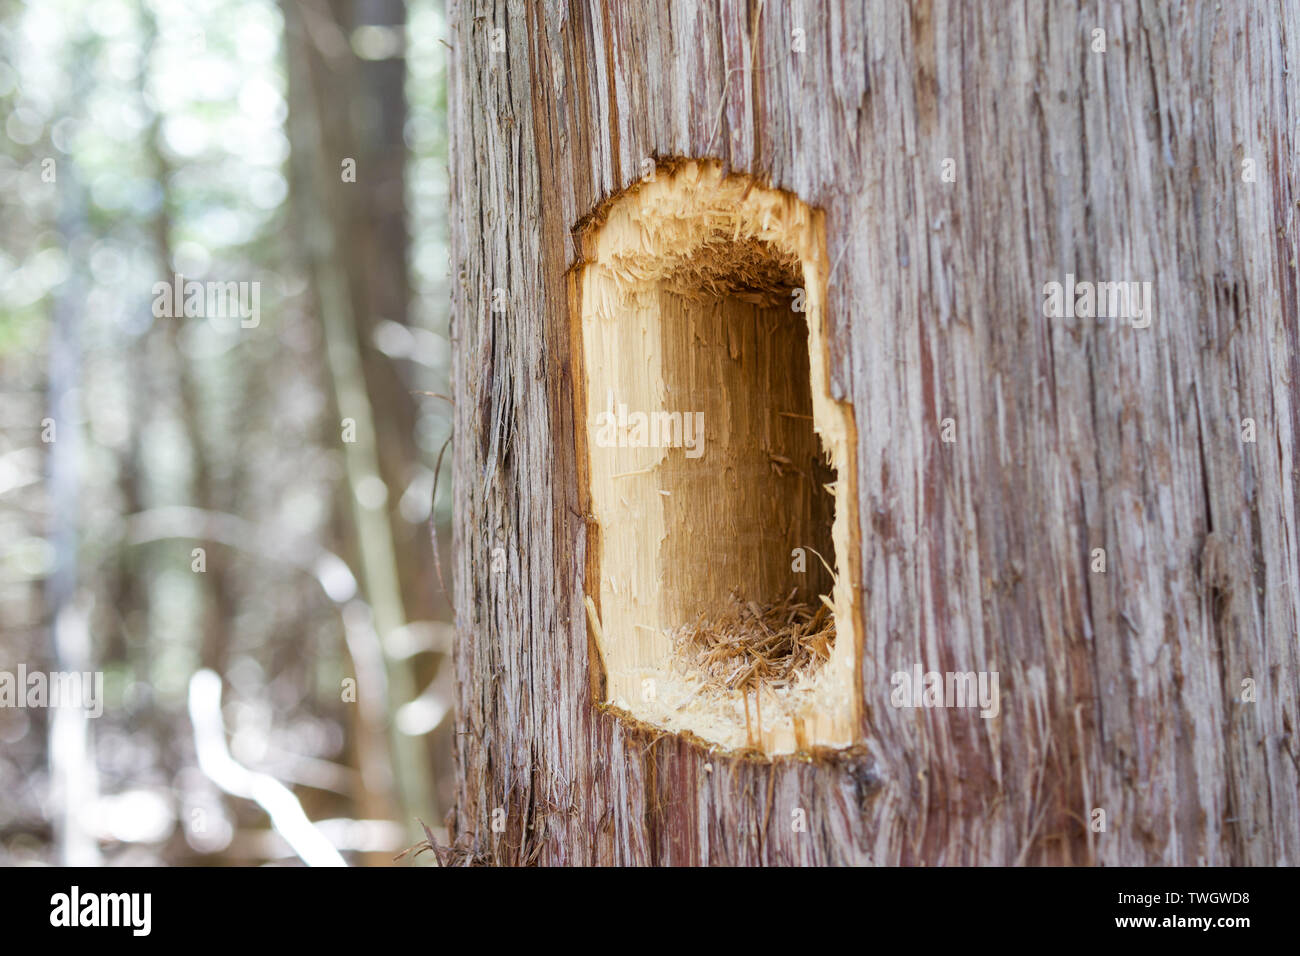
[[1102, 513]]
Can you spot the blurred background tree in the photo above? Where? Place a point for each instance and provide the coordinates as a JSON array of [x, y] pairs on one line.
[[251, 499]]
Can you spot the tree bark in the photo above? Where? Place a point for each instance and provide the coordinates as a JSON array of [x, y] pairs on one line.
[[1167, 157]]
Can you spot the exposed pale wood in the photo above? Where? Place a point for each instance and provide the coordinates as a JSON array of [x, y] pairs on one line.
[[700, 297], [1121, 690]]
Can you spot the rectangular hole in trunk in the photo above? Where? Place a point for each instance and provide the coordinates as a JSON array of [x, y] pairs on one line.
[[716, 467]]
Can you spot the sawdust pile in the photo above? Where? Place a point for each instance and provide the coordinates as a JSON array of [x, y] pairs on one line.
[[751, 645]]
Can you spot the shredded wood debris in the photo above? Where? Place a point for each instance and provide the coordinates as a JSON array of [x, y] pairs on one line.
[[751, 646], [751, 270], [702, 234]]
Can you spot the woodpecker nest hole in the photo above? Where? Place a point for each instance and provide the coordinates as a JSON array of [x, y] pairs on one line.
[[716, 466]]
